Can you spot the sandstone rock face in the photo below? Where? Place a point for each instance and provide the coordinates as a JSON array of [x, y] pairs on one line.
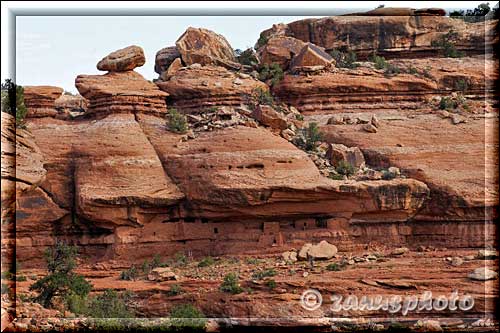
[[280, 50], [172, 69], [389, 36], [205, 47], [323, 250], [40, 100], [123, 60], [339, 152], [195, 89], [121, 92], [71, 103], [165, 57], [311, 55], [267, 116]]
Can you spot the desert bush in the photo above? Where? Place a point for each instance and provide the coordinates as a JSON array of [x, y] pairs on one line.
[[180, 259], [379, 62], [309, 137], [261, 41], [271, 284], [230, 284], [391, 70], [446, 103], [447, 45], [387, 175], [412, 70], [263, 274], [129, 274], [186, 318], [61, 280], [176, 122], [109, 304], [247, 57], [272, 73], [344, 59], [21, 278], [5, 289], [13, 101], [252, 261], [461, 85], [334, 267], [205, 262], [263, 97], [345, 168], [174, 290]]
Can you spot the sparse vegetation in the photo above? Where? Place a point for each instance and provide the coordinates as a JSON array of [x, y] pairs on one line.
[[477, 14], [62, 280], [461, 85], [336, 176], [247, 57], [387, 175], [261, 41], [176, 122], [263, 97], [205, 262], [447, 45], [272, 73], [21, 278], [231, 284], [344, 58], [180, 259], [109, 304], [263, 274], [174, 290], [379, 62], [186, 317], [5, 289], [129, 274], [13, 101], [392, 70], [271, 284], [334, 267], [345, 168], [309, 137], [252, 261]]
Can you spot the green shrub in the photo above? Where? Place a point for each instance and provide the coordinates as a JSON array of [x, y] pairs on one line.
[[387, 175], [109, 304], [252, 261], [205, 262], [427, 72], [345, 168], [446, 103], [263, 274], [344, 59], [309, 137], [271, 284], [391, 70], [461, 85], [186, 317], [263, 97], [180, 259], [13, 101], [21, 278], [61, 280], [248, 57], [176, 122], [230, 284], [335, 176], [76, 304], [299, 117], [146, 267], [379, 62], [334, 267], [129, 274], [261, 41], [412, 70], [447, 45], [7, 275], [272, 73], [5, 289], [174, 290]]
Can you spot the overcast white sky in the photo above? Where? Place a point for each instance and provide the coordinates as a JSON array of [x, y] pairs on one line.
[[53, 50]]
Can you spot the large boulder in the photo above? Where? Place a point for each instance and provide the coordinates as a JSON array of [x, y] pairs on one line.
[[161, 274], [122, 60], [165, 57], [203, 46], [338, 153], [322, 250], [311, 55], [268, 116], [280, 50]]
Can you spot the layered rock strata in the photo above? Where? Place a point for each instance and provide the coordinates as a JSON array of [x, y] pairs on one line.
[[40, 100]]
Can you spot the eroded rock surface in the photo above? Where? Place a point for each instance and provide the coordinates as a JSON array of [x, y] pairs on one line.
[[123, 60], [40, 100]]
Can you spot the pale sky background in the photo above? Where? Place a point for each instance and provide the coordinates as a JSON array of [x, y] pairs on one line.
[[53, 50]]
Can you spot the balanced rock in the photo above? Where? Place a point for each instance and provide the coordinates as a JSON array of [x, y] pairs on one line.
[[483, 274], [311, 55], [338, 153], [122, 60], [165, 57], [266, 115], [205, 47], [40, 100]]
